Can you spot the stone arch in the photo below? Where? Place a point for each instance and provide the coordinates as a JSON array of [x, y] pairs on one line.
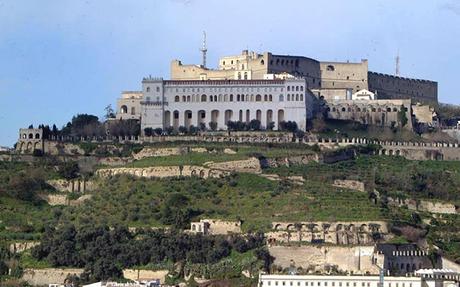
[[37, 145], [37, 136], [29, 147], [21, 146], [390, 152], [188, 118], [363, 228], [398, 152], [123, 109], [31, 136], [201, 119], [202, 173], [290, 227], [278, 227]]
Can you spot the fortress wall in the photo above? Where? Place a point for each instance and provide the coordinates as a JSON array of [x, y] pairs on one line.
[[297, 66], [195, 72], [162, 171], [339, 75], [392, 87], [357, 259]]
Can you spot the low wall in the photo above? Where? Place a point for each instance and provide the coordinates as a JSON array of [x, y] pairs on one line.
[[76, 185], [48, 276], [18, 247], [349, 184], [251, 165], [162, 171], [425, 205]]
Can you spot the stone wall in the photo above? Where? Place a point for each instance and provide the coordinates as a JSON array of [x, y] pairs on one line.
[[340, 233], [251, 165], [215, 227], [288, 161], [357, 259], [60, 148], [76, 185], [17, 247], [136, 274], [425, 205], [162, 171], [62, 199], [349, 184], [48, 276], [392, 87]]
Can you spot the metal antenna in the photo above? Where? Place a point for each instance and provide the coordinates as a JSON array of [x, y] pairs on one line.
[[204, 49], [397, 65]]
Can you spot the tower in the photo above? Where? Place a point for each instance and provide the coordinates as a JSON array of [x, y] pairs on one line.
[[397, 65], [204, 50]]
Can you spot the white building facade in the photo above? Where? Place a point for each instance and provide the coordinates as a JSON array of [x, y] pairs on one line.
[[175, 103], [337, 281]]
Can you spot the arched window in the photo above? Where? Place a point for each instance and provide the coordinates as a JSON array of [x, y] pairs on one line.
[[395, 109], [281, 98], [176, 99], [297, 88], [270, 98], [242, 98], [37, 136], [239, 75], [184, 99], [388, 109], [238, 98], [123, 109], [31, 136], [301, 87], [262, 62], [203, 98], [158, 89], [231, 97], [297, 97], [258, 98], [245, 75], [147, 90], [289, 97], [188, 98], [265, 98], [133, 110], [215, 98], [343, 109], [330, 68], [288, 88], [301, 97], [223, 63]]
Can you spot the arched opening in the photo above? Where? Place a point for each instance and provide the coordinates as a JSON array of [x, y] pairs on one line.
[[133, 110], [37, 146], [258, 98], [215, 116], [29, 147], [176, 119], [269, 117], [31, 136], [187, 118], [201, 118], [270, 98], [167, 119], [188, 98], [248, 116], [228, 116], [259, 115], [231, 97], [176, 99], [262, 62], [184, 99], [265, 97], [123, 109], [240, 116], [281, 98], [203, 98], [37, 136], [280, 116]]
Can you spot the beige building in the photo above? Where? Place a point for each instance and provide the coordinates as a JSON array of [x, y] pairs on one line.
[[129, 105]]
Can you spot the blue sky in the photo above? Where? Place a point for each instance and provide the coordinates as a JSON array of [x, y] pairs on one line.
[[59, 58]]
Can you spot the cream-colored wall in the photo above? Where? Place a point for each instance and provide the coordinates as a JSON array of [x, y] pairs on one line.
[[131, 100], [344, 75]]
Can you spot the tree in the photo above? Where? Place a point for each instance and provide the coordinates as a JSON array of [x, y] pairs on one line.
[[148, 132], [109, 112], [182, 130], [69, 170], [158, 131], [213, 126], [270, 126], [202, 127], [121, 127], [254, 125]]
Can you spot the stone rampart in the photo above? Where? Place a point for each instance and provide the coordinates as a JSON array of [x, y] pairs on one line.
[[162, 171]]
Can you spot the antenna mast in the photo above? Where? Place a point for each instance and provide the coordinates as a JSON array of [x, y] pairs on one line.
[[397, 65], [204, 49]]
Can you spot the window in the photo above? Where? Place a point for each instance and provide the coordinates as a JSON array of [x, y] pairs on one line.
[[231, 98], [223, 63], [270, 98], [265, 97], [147, 90], [288, 88], [281, 98], [297, 88], [203, 98], [288, 97], [133, 110], [245, 75], [330, 68], [258, 98], [184, 99], [297, 97], [158, 89], [262, 62]]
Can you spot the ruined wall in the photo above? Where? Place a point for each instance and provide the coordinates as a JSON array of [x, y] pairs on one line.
[[424, 205], [349, 184], [49, 275], [340, 233], [288, 161], [17, 247], [251, 165], [75, 185], [30, 140], [162, 171], [215, 227], [357, 259], [392, 87], [59, 148], [377, 112]]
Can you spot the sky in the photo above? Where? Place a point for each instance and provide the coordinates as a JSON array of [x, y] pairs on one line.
[[59, 58]]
